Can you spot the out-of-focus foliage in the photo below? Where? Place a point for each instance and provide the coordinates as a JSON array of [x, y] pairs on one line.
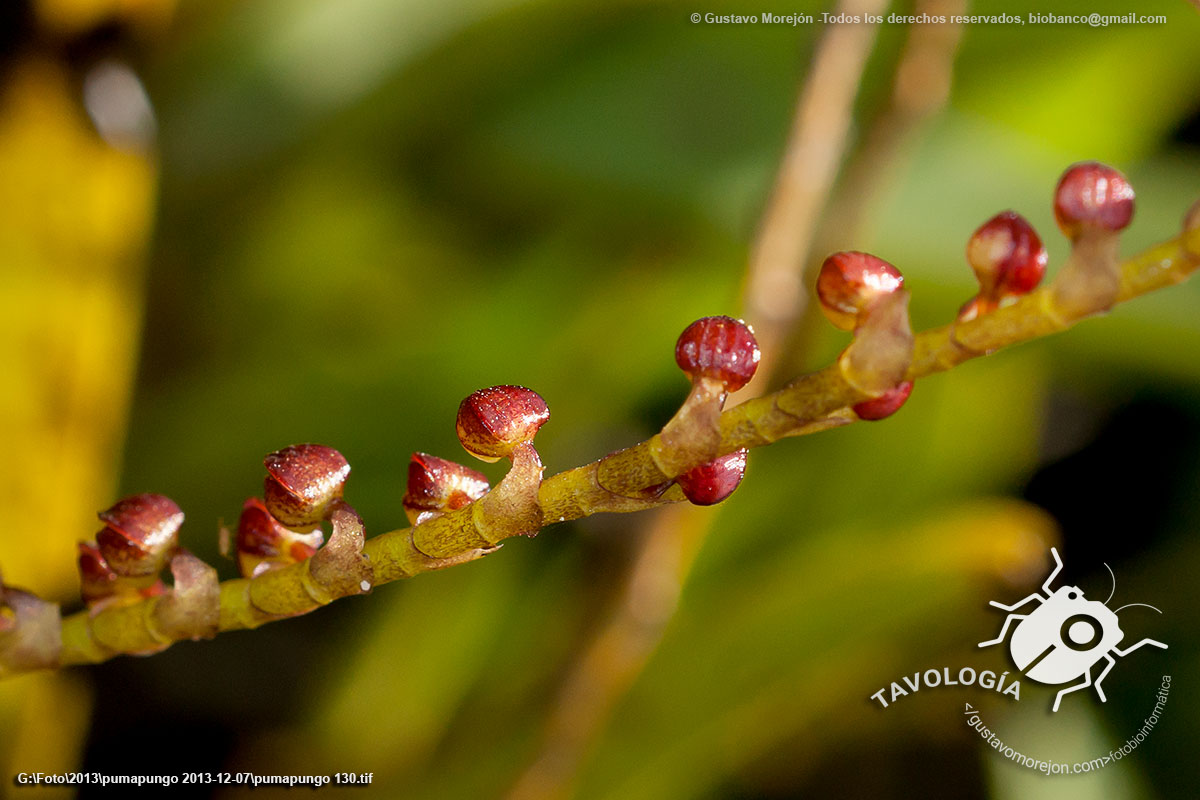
[[369, 209]]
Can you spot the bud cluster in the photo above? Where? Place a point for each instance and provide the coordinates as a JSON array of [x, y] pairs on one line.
[[123, 564], [719, 355], [304, 485], [863, 293]]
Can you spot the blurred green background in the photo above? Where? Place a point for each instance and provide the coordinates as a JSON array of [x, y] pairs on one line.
[[343, 217]]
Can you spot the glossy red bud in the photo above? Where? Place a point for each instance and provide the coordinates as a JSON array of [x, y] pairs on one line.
[[140, 534], [711, 483], [96, 578], [263, 540], [303, 480], [1092, 196], [1007, 256], [850, 281], [436, 484], [886, 404], [493, 421], [719, 348]]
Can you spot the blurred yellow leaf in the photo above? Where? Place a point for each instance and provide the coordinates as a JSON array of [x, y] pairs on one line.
[[77, 214], [76, 217]]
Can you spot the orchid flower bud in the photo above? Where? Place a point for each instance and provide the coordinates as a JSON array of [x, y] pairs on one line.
[[494, 422], [886, 404], [719, 355], [1092, 197], [96, 578], [1093, 203], [140, 535], [1008, 259], [719, 349], [711, 483], [263, 542], [850, 283], [863, 293], [303, 481], [436, 485]]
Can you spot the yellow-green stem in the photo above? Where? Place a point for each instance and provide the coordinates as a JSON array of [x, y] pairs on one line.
[[634, 480]]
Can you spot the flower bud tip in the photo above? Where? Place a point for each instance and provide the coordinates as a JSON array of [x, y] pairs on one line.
[[719, 348], [492, 422], [850, 281], [711, 483]]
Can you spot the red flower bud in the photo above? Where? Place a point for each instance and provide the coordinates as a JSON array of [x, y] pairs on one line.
[[96, 578], [492, 422], [141, 533], [303, 480], [1007, 256], [1092, 196], [850, 281], [262, 541], [435, 484], [719, 348], [886, 404], [711, 483]]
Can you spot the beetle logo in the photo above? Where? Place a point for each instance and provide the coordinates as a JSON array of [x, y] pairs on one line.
[[1066, 636]]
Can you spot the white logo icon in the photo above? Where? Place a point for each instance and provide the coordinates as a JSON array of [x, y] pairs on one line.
[[1065, 636]]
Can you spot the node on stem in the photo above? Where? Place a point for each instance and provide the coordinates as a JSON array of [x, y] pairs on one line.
[[192, 609], [30, 631]]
